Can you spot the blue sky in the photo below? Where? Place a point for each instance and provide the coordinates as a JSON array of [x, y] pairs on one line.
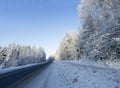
[[37, 22]]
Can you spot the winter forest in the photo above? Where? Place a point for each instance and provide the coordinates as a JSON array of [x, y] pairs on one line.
[[99, 35], [98, 38], [16, 55]]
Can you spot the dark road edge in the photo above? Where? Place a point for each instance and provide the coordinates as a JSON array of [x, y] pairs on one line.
[[10, 79]]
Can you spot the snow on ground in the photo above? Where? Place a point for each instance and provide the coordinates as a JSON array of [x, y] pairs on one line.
[[84, 76], [48, 78], [71, 74], [99, 63], [3, 71]]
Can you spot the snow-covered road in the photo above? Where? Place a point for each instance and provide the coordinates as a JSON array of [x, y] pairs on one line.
[[48, 78], [71, 75]]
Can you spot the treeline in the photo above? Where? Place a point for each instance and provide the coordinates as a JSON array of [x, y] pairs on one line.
[[99, 35], [16, 55]]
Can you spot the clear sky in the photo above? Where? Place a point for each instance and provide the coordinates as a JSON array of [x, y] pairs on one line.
[[37, 22]]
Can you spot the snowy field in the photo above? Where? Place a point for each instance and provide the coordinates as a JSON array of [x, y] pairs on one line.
[[71, 74]]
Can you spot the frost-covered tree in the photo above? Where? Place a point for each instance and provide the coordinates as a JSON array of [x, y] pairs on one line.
[[99, 36], [3, 54], [16, 55], [68, 47], [100, 15]]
